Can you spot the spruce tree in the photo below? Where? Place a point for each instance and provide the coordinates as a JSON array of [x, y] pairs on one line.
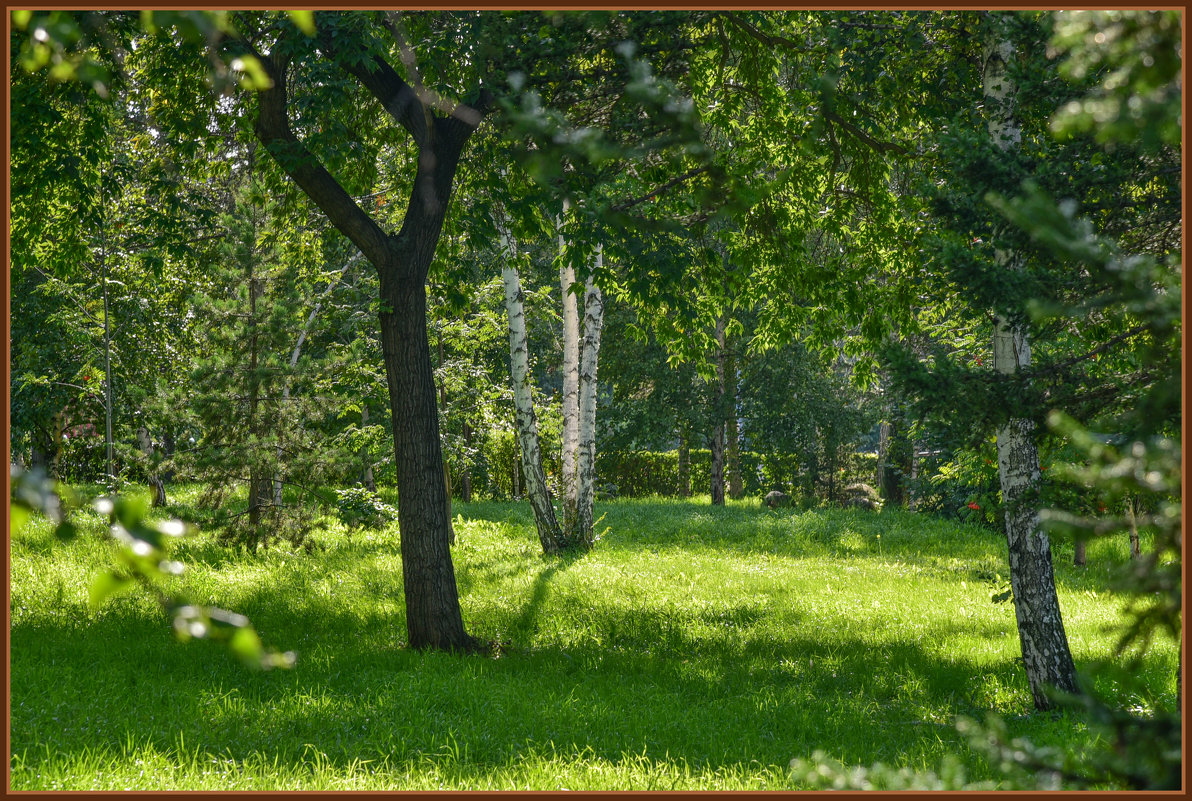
[[251, 400]]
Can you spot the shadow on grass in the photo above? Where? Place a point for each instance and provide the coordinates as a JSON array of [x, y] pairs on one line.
[[714, 689]]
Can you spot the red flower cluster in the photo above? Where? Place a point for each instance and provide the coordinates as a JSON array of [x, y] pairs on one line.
[[973, 505]]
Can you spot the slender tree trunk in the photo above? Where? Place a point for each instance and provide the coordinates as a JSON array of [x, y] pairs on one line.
[[568, 488], [736, 487], [1080, 559], [366, 476], [465, 483], [549, 533], [1045, 652], [110, 479], [684, 463], [883, 450], [152, 478], [1132, 518], [717, 442], [585, 467], [297, 352], [446, 466], [254, 392]]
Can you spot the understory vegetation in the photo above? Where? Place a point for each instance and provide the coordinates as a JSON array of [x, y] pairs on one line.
[[698, 647]]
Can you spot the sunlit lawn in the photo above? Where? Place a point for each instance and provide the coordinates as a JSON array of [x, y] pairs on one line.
[[694, 648]]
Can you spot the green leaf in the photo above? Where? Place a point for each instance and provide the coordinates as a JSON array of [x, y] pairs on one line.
[[245, 644], [305, 20], [107, 584]]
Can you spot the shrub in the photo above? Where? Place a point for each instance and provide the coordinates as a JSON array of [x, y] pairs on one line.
[[359, 507]]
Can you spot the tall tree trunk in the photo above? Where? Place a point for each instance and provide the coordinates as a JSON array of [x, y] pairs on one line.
[[585, 468], [716, 444], [1045, 652], [736, 488], [1080, 558], [568, 487], [684, 462], [549, 533], [433, 617]]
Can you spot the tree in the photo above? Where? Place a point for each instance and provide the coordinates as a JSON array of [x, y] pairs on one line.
[[1045, 652]]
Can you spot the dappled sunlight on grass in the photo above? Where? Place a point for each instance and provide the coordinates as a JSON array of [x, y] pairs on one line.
[[694, 648]]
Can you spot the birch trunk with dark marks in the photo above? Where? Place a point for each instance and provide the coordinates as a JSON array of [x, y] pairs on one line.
[[585, 468], [549, 532], [1045, 652], [568, 489], [402, 261]]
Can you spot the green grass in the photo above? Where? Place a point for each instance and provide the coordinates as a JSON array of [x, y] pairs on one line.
[[694, 648]]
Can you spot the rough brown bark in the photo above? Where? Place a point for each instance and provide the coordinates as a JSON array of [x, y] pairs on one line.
[[402, 261], [433, 617]]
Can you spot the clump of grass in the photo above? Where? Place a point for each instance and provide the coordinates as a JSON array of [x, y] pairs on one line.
[[694, 648]]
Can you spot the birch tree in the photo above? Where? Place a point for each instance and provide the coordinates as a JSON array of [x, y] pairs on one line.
[[1045, 652], [549, 532]]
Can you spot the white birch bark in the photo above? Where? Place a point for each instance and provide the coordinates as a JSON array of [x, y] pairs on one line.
[[586, 456], [568, 487], [1045, 653], [527, 426]]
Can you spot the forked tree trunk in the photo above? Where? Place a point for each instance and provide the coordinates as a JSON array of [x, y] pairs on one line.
[[568, 488], [402, 261], [585, 479], [1045, 652], [549, 533]]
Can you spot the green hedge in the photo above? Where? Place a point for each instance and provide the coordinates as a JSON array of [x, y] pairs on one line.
[[644, 473]]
